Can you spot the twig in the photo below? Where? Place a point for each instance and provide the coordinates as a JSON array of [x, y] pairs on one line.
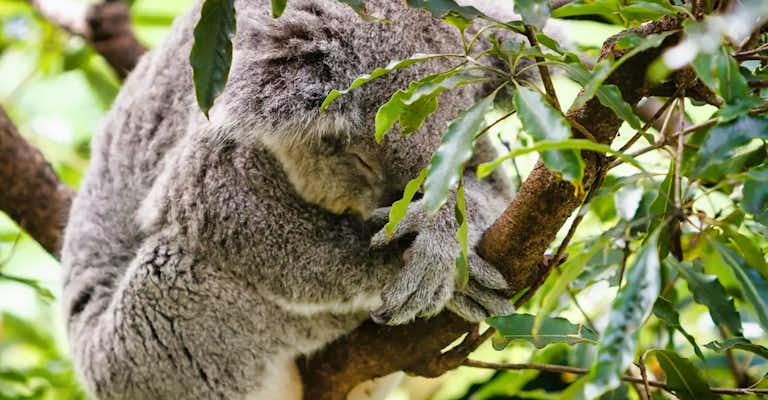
[[649, 123], [546, 78], [565, 369]]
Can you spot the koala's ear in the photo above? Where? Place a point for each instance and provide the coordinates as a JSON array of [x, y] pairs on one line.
[[284, 68]]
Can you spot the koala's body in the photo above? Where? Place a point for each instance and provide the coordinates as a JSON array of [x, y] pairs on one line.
[[202, 257]]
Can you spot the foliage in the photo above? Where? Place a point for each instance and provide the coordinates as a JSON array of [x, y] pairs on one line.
[[667, 269]]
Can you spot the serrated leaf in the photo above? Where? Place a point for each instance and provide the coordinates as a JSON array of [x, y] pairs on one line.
[[378, 72], [543, 122], [683, 378], [739, 343], [738, 266], [534, 12], [551, 330], [664, 310], [211, 55], [723, 140], [708, 290], [628, 313], [455, 150], [400, 208]]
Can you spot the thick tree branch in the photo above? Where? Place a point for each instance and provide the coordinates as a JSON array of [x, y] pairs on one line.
[[107, 26], [32, 194]]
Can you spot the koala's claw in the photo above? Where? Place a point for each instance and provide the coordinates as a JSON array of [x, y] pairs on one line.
[[426, 284]]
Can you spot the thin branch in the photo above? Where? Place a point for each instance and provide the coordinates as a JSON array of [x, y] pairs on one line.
[[564, 369], [546, 78]]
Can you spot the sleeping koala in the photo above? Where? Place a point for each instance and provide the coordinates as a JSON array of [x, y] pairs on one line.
[[203, 257]]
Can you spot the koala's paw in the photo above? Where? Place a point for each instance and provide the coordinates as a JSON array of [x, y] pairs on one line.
[[427, 282]]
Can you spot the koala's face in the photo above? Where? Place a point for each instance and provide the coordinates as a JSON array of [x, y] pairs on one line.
[[338, 173]]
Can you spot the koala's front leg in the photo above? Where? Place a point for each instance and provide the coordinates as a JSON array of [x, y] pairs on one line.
[[427, 282]]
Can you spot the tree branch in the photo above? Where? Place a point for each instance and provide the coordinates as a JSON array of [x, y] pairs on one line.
[[32, 194], [107, 26]]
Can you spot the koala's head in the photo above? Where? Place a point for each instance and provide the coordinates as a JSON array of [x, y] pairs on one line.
[[282, 71]]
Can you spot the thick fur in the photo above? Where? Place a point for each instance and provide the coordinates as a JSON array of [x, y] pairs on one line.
[[201, 257]]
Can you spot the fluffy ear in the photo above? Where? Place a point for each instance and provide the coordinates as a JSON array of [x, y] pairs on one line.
[[283, 68]]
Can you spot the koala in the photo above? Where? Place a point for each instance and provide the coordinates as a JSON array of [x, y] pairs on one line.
[[203, 256]]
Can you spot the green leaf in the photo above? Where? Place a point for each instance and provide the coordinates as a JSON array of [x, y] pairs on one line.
[[551, 330], [412, 106], [400, 208], [278, 7], [708, 290], [357, 5], [378, 72], [664, 310], [739, 343], [755, 194], [720, 71], [749, 250], [444, 8], [738, 266], [462, 260], [211, 55], [610, 96], [628, 314], [662, 209], [723, 140], [455, 150], [487, 168], [683, 377], [534, 12], [543, 122]]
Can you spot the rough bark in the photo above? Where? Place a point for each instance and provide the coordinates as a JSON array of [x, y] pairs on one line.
[[515, 243], [32, 194]]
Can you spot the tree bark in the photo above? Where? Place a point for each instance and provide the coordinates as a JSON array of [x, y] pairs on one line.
[[32, 194]]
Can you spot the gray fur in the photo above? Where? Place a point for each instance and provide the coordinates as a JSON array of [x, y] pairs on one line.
[[200, 255]]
